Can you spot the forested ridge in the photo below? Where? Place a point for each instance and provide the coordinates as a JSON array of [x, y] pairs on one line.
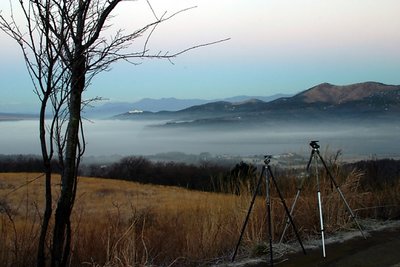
[[204, 176]]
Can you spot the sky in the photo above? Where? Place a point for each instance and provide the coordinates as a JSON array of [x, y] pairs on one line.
[[275, 46]]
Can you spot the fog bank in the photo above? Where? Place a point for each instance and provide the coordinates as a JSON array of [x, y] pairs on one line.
[[110, 137]]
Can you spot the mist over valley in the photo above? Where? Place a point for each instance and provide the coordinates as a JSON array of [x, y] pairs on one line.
[[125, 137]]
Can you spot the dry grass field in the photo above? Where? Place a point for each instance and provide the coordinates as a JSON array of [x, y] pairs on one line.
[[120, 223]]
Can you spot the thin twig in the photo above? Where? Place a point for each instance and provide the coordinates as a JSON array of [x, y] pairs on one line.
[[25, 184]]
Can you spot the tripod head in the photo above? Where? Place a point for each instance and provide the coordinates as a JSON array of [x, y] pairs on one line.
[[314, 145], [267, 159]]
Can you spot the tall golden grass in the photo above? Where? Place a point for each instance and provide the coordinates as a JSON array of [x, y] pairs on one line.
[[120, 223]]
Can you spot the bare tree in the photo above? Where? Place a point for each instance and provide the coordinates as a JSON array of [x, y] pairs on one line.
[[64, 49]]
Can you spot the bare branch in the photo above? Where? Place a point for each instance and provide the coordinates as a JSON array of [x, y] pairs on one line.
[[152, 10]]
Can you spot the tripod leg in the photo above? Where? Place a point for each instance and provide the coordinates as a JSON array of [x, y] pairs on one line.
[[286, 208], [292, 210], [342, 196], [248, 214], [309, 161], [268, 197], [291, 214]]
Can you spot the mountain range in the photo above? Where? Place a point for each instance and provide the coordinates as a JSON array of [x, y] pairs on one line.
[[112, 108], [367, 101], [361, 101], [16, 116], [165, 104]]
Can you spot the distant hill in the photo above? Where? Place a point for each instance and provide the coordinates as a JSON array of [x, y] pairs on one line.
[[333, 94], [365, 101], [354, 99]]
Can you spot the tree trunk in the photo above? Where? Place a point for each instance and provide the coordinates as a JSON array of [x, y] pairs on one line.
[[62, 233], [68, 180], [41, 258]]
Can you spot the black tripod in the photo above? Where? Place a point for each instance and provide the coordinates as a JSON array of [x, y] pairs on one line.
[[317, 156], [269, 175]]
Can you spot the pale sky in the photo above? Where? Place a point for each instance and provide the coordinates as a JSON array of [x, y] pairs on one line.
[[276, 46]]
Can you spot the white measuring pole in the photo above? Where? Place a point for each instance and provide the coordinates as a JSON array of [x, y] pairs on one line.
[[321, 220]]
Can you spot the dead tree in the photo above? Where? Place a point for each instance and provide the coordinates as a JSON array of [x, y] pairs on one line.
[[64, 49]]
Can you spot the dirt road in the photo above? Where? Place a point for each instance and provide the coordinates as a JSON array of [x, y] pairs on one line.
[[380, 249]]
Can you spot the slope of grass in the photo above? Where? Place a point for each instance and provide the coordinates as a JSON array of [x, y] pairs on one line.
[[120, 223]]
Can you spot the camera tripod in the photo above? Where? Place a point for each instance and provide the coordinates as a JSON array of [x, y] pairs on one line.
[[269, 176], [315, 155]]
